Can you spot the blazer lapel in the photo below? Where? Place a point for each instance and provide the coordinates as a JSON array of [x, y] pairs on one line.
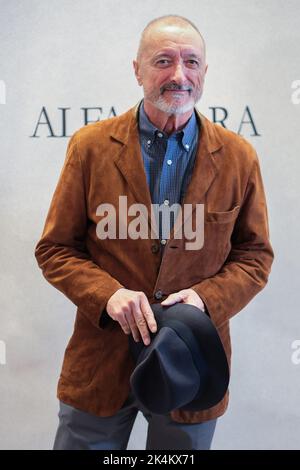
[[130, 163], [205, 168]]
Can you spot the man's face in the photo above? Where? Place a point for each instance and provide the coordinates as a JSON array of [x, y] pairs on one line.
[[171, 68]]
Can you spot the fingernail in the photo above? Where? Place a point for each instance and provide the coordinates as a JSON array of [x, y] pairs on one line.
[[147, 341]]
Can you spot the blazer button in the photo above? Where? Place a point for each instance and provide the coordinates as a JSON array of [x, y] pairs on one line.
[[154, 248], [158, 295]]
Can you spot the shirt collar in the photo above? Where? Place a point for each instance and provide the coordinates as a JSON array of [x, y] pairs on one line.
[[150, 132]]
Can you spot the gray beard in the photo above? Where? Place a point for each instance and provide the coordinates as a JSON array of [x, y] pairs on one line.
[[163, 106], [171, 108]]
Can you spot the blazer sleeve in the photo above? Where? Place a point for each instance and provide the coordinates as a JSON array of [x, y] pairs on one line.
[[248, 265], [61, 252]]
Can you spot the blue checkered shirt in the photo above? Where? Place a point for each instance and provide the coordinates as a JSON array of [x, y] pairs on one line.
[[168, 160]]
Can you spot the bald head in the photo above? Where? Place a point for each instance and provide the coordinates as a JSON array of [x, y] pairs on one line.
[[167, 24]]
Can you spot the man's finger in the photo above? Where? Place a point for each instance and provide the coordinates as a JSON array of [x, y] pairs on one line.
[[124, 324], [148, 314], [173, 299], [142, 325], [133, 327]]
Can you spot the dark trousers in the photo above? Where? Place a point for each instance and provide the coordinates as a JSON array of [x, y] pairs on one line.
[[80, 430]]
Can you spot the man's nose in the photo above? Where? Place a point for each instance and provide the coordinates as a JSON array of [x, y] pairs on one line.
[[179, 74]]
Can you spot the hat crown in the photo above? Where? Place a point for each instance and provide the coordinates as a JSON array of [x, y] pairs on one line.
[[174, 380]]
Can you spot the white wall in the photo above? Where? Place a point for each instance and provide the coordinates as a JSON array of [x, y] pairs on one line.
[[75, 54]]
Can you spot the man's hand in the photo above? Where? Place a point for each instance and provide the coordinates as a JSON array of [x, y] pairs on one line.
[[186, 296], [133, 312]]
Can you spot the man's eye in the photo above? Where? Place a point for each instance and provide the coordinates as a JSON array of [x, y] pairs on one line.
[[193, 63], [163, 62]]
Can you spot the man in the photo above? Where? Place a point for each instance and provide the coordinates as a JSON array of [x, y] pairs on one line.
[[162, 152]]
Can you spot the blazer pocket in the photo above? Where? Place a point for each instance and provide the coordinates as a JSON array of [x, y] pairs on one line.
[[223, 217]]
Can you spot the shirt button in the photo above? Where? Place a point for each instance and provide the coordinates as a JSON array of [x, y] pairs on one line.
[[187, 146], [158, 295], [166, 202], [148, 142], [154, 248], [169, 162], [163, 241], [160, 134]]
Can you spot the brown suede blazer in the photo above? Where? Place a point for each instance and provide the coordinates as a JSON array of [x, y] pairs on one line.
[[104, 161]]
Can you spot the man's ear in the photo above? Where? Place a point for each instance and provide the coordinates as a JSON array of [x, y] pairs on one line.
[[136, 71]]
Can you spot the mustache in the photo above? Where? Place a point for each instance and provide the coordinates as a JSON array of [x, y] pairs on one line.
[[175, 86]]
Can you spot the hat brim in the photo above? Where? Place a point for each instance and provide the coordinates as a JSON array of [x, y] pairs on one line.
[[198, 332]]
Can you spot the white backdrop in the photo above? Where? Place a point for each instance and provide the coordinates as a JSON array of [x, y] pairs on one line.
[[76, 54]]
